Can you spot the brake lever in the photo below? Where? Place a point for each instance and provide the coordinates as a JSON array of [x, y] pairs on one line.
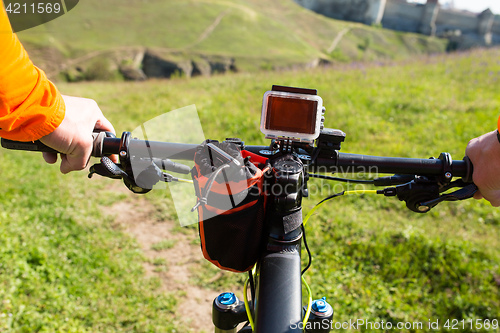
[[457, 183], [461, 194], [422, 194], [107, 168]]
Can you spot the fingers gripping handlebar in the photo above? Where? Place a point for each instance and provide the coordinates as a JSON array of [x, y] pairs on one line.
[[134, 155], [103, 145], [99, 147], [27, 146]]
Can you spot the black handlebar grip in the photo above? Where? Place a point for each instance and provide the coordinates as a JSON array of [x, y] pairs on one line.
[[97, 146], [469, 170], [27, 146]]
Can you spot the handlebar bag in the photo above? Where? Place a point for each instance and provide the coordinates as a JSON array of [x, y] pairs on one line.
[[231, 205]]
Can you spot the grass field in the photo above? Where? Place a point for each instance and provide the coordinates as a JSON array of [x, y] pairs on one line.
[[65, 268], [256, 34]]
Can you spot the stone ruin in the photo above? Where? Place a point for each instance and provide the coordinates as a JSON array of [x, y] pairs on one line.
[[464, 29]]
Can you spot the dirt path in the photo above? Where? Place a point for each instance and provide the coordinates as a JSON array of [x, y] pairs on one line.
[[337, 40], [209, 29], [172, 264]]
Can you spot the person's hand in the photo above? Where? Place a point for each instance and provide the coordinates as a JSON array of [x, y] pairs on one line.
[[73, 137], [484, 153]]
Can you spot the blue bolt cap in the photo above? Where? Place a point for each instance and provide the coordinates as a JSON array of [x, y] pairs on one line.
[[320, 305], [227, 298]]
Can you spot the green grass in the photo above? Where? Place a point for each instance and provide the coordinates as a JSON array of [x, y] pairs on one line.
[[257, 34], [63, 268], [164, 245], [372, 258]]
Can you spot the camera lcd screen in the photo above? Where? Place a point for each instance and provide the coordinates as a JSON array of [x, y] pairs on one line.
[[291, 114]]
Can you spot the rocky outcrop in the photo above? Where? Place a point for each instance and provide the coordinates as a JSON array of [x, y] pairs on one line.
[[132, 73], [137, 64], [164, 65], [221, 65], [157, 64], [201, 67]]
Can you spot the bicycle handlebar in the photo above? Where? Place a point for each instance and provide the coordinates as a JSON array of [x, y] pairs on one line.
[[357, 163], [352, 162], [397, 165]]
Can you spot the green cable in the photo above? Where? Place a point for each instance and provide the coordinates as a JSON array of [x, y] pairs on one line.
[[247, 306], [319, 204], [245, 298], [360, 192], [181, 180], [309, 302]]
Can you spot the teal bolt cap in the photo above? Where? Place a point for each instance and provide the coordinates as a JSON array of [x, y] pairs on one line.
[[227, 298]]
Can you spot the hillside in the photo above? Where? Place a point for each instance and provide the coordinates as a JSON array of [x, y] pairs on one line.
[[205, 36]]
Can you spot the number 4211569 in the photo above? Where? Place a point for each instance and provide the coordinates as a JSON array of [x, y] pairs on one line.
[[455, 324], [32, 8]]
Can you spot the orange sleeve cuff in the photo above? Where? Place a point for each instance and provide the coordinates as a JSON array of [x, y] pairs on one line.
[[30, 105]]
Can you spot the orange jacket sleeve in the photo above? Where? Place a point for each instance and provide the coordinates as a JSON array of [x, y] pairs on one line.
[[30, 105]]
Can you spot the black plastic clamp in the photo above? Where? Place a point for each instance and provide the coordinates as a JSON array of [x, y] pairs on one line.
[[469, 171], [447, 174]]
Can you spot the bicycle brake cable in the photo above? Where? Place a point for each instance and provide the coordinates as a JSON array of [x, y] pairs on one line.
[[245, 299], [309, 302], [319, 204], [346, 180], [169, 178], [309, 292]]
